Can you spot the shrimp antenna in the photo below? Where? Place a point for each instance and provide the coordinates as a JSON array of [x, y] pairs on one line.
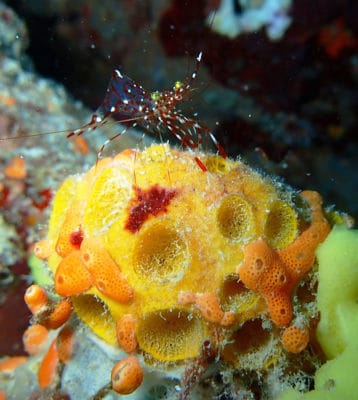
[[70, 132]]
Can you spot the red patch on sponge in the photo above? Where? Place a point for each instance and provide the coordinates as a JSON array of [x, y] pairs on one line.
[[76, 238], [148, 202]]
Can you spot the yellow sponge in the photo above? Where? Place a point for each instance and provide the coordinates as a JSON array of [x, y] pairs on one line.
[[162, 240], [337, 330]]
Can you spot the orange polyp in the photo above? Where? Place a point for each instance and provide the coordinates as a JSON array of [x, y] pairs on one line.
[[2, 395], [47, 371], [11, 363], [295, 339], [65, 343], [43, 249], [16, 169], [59, 315], [34, 337], [71, 276], [70, 228], [106, 274], [36, 299], [127, 375], [126, 333], [274, 274]]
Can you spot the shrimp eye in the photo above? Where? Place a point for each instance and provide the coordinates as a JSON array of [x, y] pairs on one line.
[[178, 85]]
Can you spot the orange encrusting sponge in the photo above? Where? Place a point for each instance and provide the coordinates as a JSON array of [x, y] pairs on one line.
[[106, 274], [47, 371], [36, 299], [126, 333], [60, 350], [300, 255], [59, 315], [34, 337], [71, 276], [70, 235], [65, 343], [11, 363], [43, 249], [209, 306], [274, 273], [127, 375], [295, 339]]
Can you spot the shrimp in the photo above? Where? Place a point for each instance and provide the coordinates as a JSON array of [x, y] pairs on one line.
[[152, 111]]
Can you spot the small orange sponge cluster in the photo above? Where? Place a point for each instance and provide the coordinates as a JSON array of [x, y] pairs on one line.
[[49, 314], [274, 273], [295, 339], [94, 266], [148, 250]]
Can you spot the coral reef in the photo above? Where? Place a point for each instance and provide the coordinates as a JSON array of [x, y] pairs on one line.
[[155, 257], [182, 284]]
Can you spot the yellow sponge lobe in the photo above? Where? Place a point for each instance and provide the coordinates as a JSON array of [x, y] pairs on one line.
[[146, 227]]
